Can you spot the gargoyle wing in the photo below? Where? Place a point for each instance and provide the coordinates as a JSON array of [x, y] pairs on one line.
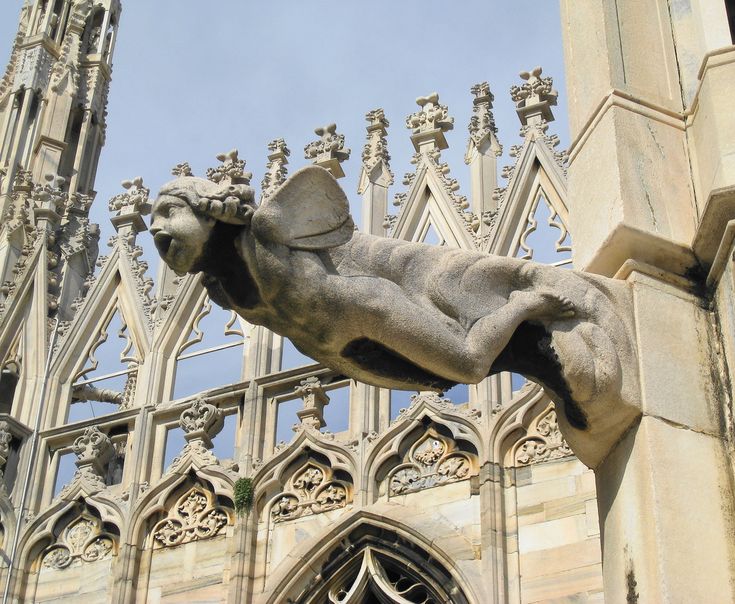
[[308, 212]]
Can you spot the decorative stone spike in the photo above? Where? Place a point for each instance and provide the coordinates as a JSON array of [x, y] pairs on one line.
[[275, 169], [376, 147], [182, 169], [232, 170], [482, 122], [534, 98], [315, 399], [94, 450], [130, 207], [429, 124], [201, 422], [329, 151]]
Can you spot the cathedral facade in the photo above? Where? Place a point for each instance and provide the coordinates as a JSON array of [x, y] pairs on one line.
[[157, 448]]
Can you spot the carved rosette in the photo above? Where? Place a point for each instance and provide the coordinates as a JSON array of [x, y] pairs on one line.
[[311, 490], [194, 517], [82, 541], [544, 441], [433, 461]]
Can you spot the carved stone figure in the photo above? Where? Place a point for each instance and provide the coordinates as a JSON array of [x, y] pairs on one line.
[[397, 314]]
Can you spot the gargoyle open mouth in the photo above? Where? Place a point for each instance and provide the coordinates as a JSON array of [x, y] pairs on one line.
[[163, 242]]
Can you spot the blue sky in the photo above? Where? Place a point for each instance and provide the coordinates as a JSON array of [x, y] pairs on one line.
[[192, 79], [190, 82]]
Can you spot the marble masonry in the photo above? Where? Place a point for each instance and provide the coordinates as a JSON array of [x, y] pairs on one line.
[[519, 395]]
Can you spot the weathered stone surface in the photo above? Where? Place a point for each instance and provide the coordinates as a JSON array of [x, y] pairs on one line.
[[404, 315]]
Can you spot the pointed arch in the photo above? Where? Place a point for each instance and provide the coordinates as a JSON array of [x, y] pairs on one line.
[[70, 534], [111, 295], [336, 557], [536, 173], [331, 458], [428, 200]]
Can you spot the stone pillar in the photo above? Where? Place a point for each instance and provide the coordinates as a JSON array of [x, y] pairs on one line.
[[629, 174], [482, 155], [664, 489]]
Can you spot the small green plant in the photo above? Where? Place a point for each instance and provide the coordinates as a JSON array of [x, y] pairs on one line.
[[243, 495]]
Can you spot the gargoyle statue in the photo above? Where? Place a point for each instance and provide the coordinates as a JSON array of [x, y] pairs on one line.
[[404, 315]]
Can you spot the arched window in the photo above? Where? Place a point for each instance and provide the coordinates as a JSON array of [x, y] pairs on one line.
[[382, 567]]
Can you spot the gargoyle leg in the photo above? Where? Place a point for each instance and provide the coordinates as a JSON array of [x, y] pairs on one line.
[[467, 358]]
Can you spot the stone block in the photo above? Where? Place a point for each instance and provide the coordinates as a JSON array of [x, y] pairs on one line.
[[561, 559], [551, 534], [673, 386]]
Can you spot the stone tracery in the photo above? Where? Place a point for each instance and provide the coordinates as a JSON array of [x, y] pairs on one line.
[[311, 490], [194, 516], [83, 540], [433, 460]]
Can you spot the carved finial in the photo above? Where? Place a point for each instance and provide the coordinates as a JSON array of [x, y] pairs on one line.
[[376, 148], [93, 449], [275, 169], [482, 122], [182, 169], [232, 170], [329, 151], [534, 98], [201, 422], [314, 397], [429, 124], [130, 207], [50, 198], [375, 157]]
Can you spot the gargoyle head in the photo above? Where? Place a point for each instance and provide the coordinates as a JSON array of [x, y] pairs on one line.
[[186, 212]]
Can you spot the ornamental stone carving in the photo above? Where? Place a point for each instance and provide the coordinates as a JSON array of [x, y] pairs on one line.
[[202, 421], [375, 151], [82, 541], [329, 150], [315, 399], [534, 98], [544, 441], [275, 169], [429, 124], [311, 490], [231, 170], [404, 315], [194, 517], [482, 122], [6, 437], [434, 460], [93, 449]]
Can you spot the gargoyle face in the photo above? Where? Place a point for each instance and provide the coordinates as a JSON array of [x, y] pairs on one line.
[[180, 233]]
